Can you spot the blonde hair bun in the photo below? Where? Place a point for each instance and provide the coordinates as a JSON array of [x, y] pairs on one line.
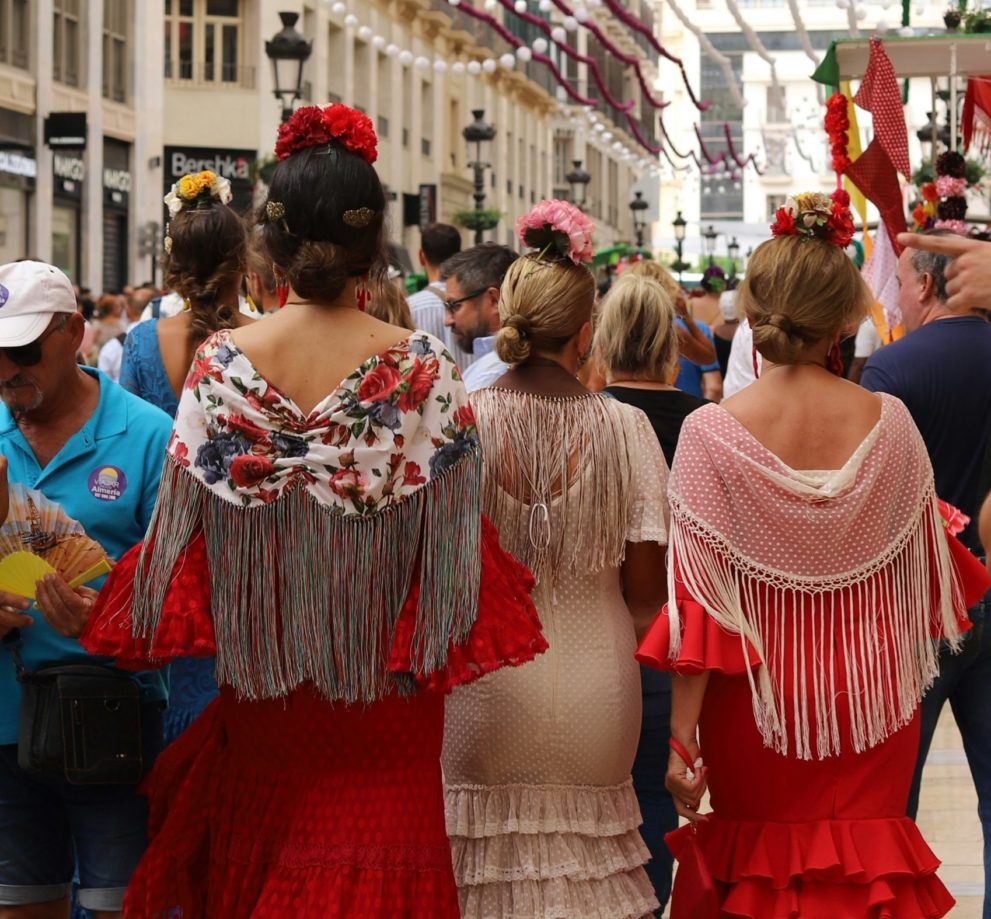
[[512, 342]]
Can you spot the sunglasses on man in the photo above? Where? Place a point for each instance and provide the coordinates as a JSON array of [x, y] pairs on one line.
[[30, 354], [452, 305]]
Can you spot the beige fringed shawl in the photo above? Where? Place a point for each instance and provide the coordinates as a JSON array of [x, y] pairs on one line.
[[316, 524], [555, 466], [836, 580]]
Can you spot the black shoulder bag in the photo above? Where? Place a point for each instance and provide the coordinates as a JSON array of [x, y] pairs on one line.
[[78, 721]]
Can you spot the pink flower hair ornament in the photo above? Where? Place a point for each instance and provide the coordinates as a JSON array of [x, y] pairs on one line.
[[557, 230]]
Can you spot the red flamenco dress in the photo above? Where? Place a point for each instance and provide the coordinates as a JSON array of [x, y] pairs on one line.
[[296, 806], [337, 565], [787, 837]]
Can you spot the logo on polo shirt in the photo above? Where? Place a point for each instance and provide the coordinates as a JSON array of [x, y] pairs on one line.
[[107, 483], [4, 295]]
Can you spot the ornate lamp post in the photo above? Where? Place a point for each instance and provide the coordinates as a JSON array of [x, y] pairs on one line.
[[578, 179], [710, 236], [733, 248], [679, 223], [478, 135], [637, 207], [288, 51]]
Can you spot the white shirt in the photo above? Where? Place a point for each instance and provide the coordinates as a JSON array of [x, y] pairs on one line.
[[111, 355], [487, 367], [427, 309], [868, 341], [740, 368]]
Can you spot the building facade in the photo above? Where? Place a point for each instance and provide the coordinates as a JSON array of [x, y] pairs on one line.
[[156, 88]]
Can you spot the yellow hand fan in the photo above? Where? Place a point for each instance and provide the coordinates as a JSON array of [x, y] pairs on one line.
[[38, 530]]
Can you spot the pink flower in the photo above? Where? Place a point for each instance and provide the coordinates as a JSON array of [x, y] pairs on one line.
[[954, 519], [948, 187], [559, 224], [957, 226], [348, 483]]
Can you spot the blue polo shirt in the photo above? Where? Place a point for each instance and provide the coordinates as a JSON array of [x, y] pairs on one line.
[[105, 477], [689, 373]]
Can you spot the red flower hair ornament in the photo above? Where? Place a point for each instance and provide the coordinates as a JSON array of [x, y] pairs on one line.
[[312, 126], [816, 216]]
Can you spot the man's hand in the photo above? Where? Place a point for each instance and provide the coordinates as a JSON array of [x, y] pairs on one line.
[[11, 613], [968, 276], [65, 609]]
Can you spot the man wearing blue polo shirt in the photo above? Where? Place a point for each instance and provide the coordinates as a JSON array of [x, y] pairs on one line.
[[95, 451]]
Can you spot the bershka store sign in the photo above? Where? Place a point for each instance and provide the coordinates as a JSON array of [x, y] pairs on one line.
[[233, 165]]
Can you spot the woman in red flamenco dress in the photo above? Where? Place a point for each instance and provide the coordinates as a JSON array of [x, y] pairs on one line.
[[318, 530], [809, 572]]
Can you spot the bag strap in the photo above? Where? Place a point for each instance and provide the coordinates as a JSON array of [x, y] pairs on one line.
[[682, 752], [12, 641]]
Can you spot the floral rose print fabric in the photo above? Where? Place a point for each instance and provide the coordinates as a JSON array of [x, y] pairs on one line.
[[396, 422]]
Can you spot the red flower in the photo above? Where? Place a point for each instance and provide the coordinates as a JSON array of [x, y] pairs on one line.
[[180, 453], [248, 470], [336, 435], [304, 129], [411, 474], [842, 225], [352, 129], [419, 381], [464, 417], [919, 215], [379, 384], [311, 126], [784, 223], [202, 367], [954, 519], [245, 426], [348, 483], [929, 192]]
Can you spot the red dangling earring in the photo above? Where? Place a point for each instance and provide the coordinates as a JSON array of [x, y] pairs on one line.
[[834, 360], [362, 295], [753, 355], [281, 291]]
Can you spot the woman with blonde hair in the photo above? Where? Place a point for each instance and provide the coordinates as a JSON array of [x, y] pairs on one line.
[[809, 571], [540, 808], [637, 348]]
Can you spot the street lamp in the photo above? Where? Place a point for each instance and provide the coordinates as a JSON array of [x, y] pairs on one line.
[[288, 51], [578, 179], [733, 248], [637, 207], [478, 135], [710, 235], [679, 224]]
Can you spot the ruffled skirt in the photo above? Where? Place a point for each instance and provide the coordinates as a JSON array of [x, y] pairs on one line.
[[549, 852], [300, 808]]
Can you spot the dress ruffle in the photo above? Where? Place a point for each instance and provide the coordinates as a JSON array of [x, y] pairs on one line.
[[549, 851], [823, 869], [705, 645], [290, 852], [506, 631], [185, 629]]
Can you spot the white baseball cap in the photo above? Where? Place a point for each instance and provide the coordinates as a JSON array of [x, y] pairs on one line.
[[31, 293]]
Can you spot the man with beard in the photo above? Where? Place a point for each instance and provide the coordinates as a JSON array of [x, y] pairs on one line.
[[472, 280], [74, 447]]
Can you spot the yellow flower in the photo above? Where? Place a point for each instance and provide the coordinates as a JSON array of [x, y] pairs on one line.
[[206, 180], [189, 188]]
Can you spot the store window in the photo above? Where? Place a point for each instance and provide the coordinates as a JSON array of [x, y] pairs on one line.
[[203, 42], [67, 42], [773, 203], [14, 19], [115, 38], [65, 240]]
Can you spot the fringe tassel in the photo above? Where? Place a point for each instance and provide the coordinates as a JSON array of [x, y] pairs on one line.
[[302, 592], [872, 628], [555, 467]]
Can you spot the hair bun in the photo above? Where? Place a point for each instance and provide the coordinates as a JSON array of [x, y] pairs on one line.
[[512, 342]]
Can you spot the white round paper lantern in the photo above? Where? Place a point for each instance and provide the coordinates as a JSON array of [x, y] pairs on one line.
[[524, 54], [559, 35], [540, 45], [339, 9], [489, 65], [458, 68], [474, 68], [379, 42], [405, 58], [350, 20], [422, 64], [570, 23], [440, 66], [391, 50]]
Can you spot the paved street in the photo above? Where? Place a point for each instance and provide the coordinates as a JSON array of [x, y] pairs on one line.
[[948, 819]]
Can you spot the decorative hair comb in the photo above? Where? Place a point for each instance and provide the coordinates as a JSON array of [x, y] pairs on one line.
[[816, 216], [197, 189], [312, 126], [274, 210], [557, 230], [359, 217]]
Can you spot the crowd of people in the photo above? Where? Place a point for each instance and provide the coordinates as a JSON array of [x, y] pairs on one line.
[[457, 604]]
